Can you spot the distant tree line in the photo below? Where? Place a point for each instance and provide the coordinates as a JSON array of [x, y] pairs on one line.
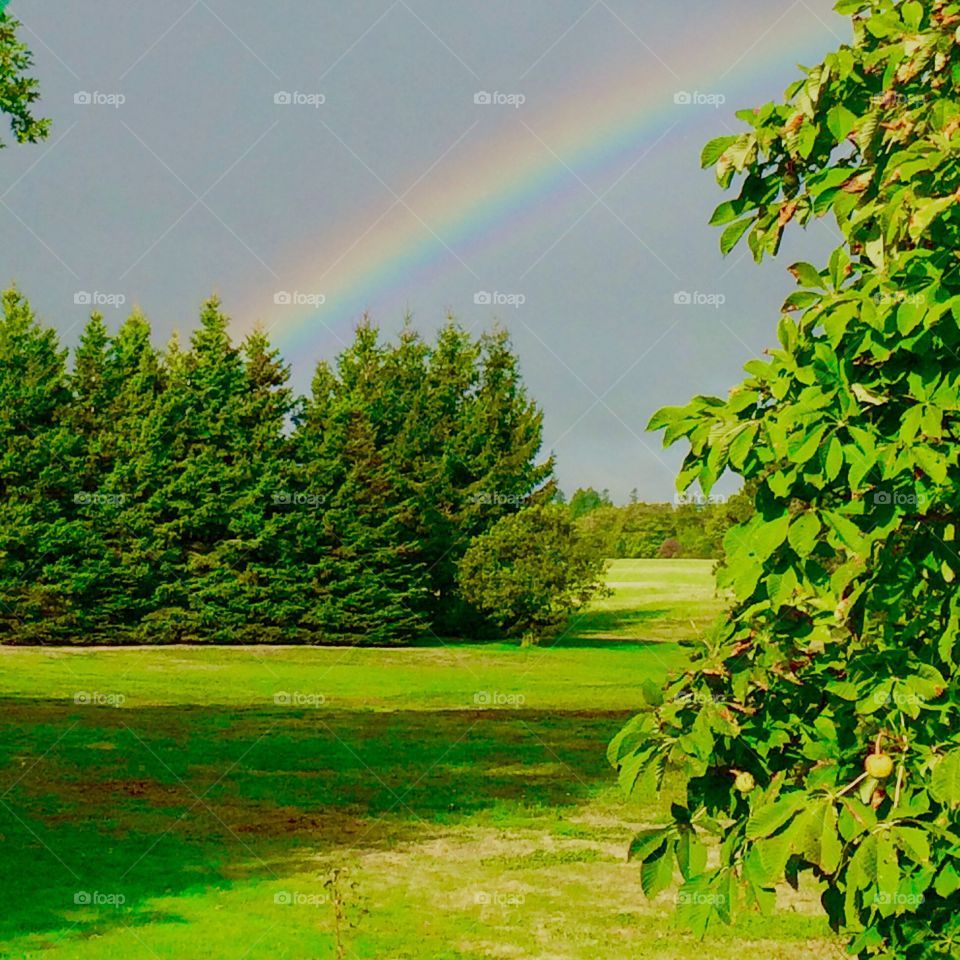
[[186, 493], [692, 528]]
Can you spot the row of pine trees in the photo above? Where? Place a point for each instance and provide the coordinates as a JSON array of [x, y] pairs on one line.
[[188, 495]]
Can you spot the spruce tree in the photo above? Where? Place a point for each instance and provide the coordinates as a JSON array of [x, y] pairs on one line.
[[353, 540], [41, 587]]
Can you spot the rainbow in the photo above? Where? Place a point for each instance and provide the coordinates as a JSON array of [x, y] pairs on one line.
[[477, 197]]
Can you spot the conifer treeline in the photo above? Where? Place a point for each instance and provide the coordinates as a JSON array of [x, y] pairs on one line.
[[186, 494]]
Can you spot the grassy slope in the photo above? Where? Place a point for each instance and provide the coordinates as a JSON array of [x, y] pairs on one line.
[[469, 829]]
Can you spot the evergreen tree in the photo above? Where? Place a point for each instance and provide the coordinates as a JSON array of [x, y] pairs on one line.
[[40, 538], [352, 528], [468, 454], [254, 553], [132, 384], [193, 438], [89, 389], [188, 495]]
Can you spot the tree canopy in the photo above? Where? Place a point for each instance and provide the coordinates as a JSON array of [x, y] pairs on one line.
[[817, 728], [186, 494]]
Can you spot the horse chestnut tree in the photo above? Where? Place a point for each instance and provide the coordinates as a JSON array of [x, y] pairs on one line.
[[832, 679]]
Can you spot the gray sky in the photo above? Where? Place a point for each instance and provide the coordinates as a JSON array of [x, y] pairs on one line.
[[574, 198]]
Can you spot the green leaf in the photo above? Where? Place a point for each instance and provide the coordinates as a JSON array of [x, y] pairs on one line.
[[767, 819], [831, 847], [691, 854], [847, 531], [932, 463], [656, 872], [863, 864], [806, 275], [714, 150], [945, 780], [948, 880], [834, 461], [731, 236], [840, 121], [727, 211], [769, 536], [666, 416], [803, 533], [647, 842], [912, 14], [839, 262], [914, 842]]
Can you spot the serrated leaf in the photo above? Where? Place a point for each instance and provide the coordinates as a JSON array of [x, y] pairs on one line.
[[647, 842], [769, 818], [691, 854], [731, 236], [914, 842], [948, 880], [945, 780], [932, 463], [863, 864], [834, 461], [803, 533], [656, 873], [831, 847], [769, 536], [714, 150], [840, 121], [806, 275]]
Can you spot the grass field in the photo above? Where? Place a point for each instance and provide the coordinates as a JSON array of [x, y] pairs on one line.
[[185, 802]]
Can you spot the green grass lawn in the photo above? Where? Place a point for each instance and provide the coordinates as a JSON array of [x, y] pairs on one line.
[[191, 803]]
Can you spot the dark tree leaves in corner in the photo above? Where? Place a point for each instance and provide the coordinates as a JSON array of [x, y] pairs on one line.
[[18, 92]]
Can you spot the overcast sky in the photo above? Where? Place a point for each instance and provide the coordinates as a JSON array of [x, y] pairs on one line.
[[333, 154]]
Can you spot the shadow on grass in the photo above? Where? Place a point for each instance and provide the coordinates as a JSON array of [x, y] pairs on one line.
[[165, 801], [621, 628]]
